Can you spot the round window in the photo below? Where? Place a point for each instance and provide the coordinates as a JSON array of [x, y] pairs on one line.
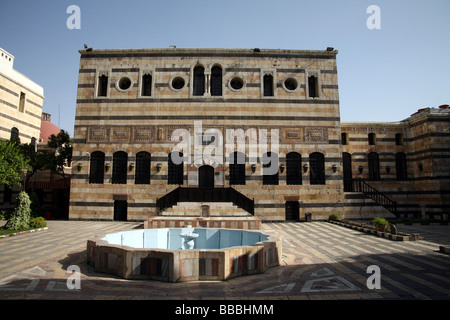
[[178, 83], [236, 83], [290, 84], [124, 83]]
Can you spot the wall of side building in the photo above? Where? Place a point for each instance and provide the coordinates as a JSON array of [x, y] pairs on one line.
[[419, 183]]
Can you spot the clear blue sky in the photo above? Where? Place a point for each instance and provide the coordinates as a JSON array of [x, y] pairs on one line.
[[384, 75]]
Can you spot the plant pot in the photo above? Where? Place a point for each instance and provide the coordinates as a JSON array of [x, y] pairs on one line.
[[381, 227]]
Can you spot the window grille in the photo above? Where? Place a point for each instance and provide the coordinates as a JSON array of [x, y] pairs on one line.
[[400, 165], [270, 179], [175, 171], [317, 168], [374, 166], [142, 173], [216, 81], [97, 165], [237, 168], [199, 81], [293, 168], [147, 85], [102, 86], [119, 174]]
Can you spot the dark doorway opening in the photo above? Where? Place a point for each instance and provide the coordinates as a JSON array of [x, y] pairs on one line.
[[120, 210], [292, 211], [348, 179], [206, 177]]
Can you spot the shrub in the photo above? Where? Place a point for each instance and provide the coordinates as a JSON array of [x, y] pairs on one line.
[[20, 218], [38, 222], [334, 217], [377, 221]]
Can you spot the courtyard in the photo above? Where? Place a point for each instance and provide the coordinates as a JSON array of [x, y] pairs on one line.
[[320, 261]]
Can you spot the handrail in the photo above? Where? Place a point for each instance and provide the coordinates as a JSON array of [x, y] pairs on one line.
[[379, 197], [182, 194]]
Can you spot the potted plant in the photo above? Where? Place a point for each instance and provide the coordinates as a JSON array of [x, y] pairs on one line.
[[380, 223], [334, 217]]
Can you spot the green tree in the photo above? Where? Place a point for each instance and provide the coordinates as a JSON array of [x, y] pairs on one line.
[[20, 219], [12, 164], [61, 154]]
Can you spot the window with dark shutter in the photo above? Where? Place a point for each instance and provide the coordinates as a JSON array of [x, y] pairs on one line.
[[119, 174], [400, 165], [97, 167], [237, 168], [199, 81], [317, 168], [270, 164], [216, 81], [142, 174], [268, 85], [175, 169], [293, 168], [374, 166], [146, 85], [102, 86]]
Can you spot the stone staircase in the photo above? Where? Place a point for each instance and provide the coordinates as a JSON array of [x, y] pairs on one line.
[[359, 206]]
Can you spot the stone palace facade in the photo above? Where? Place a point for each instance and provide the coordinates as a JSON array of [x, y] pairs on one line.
[[241, 133]]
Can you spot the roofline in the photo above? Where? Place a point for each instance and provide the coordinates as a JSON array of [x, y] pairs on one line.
[[256, 52]]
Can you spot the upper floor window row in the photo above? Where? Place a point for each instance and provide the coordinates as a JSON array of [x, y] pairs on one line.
[[205, 83], [371, 139]]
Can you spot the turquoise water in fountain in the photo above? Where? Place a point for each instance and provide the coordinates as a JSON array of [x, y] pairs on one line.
[[170, 238]]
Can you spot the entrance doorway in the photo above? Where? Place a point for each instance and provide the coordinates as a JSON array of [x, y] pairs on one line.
[[206, 177], [120, 210], [292, 211], [348, 179]]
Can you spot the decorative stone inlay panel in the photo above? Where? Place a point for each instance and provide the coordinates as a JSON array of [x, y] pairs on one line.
[[316, 135], [98, 134], [144, 134]]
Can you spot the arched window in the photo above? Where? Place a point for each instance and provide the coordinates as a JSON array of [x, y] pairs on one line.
[[146, 85], [216, 81], [316, 168], [398, 139], [142, 174], [372, 139], [237, 168], [293, 168], [268, 85], [119, 174], [97, 167], [102, 86], [270, 168], [14, 135], [199, 81], [313, 86], [175, 168], [400, 165], [374, 166]]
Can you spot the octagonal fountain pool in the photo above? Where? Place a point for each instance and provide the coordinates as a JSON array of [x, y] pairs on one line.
[[184, 254]]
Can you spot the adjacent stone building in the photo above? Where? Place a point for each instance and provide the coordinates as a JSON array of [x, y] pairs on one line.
[[258, 132], [21, 101]]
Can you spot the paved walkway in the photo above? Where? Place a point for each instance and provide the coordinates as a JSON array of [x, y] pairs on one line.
[[320, 261]]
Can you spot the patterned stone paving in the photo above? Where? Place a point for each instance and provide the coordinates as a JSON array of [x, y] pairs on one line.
[[320, 261]]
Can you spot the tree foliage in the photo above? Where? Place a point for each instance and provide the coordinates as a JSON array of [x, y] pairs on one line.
[[61, 154], [12, 163]]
